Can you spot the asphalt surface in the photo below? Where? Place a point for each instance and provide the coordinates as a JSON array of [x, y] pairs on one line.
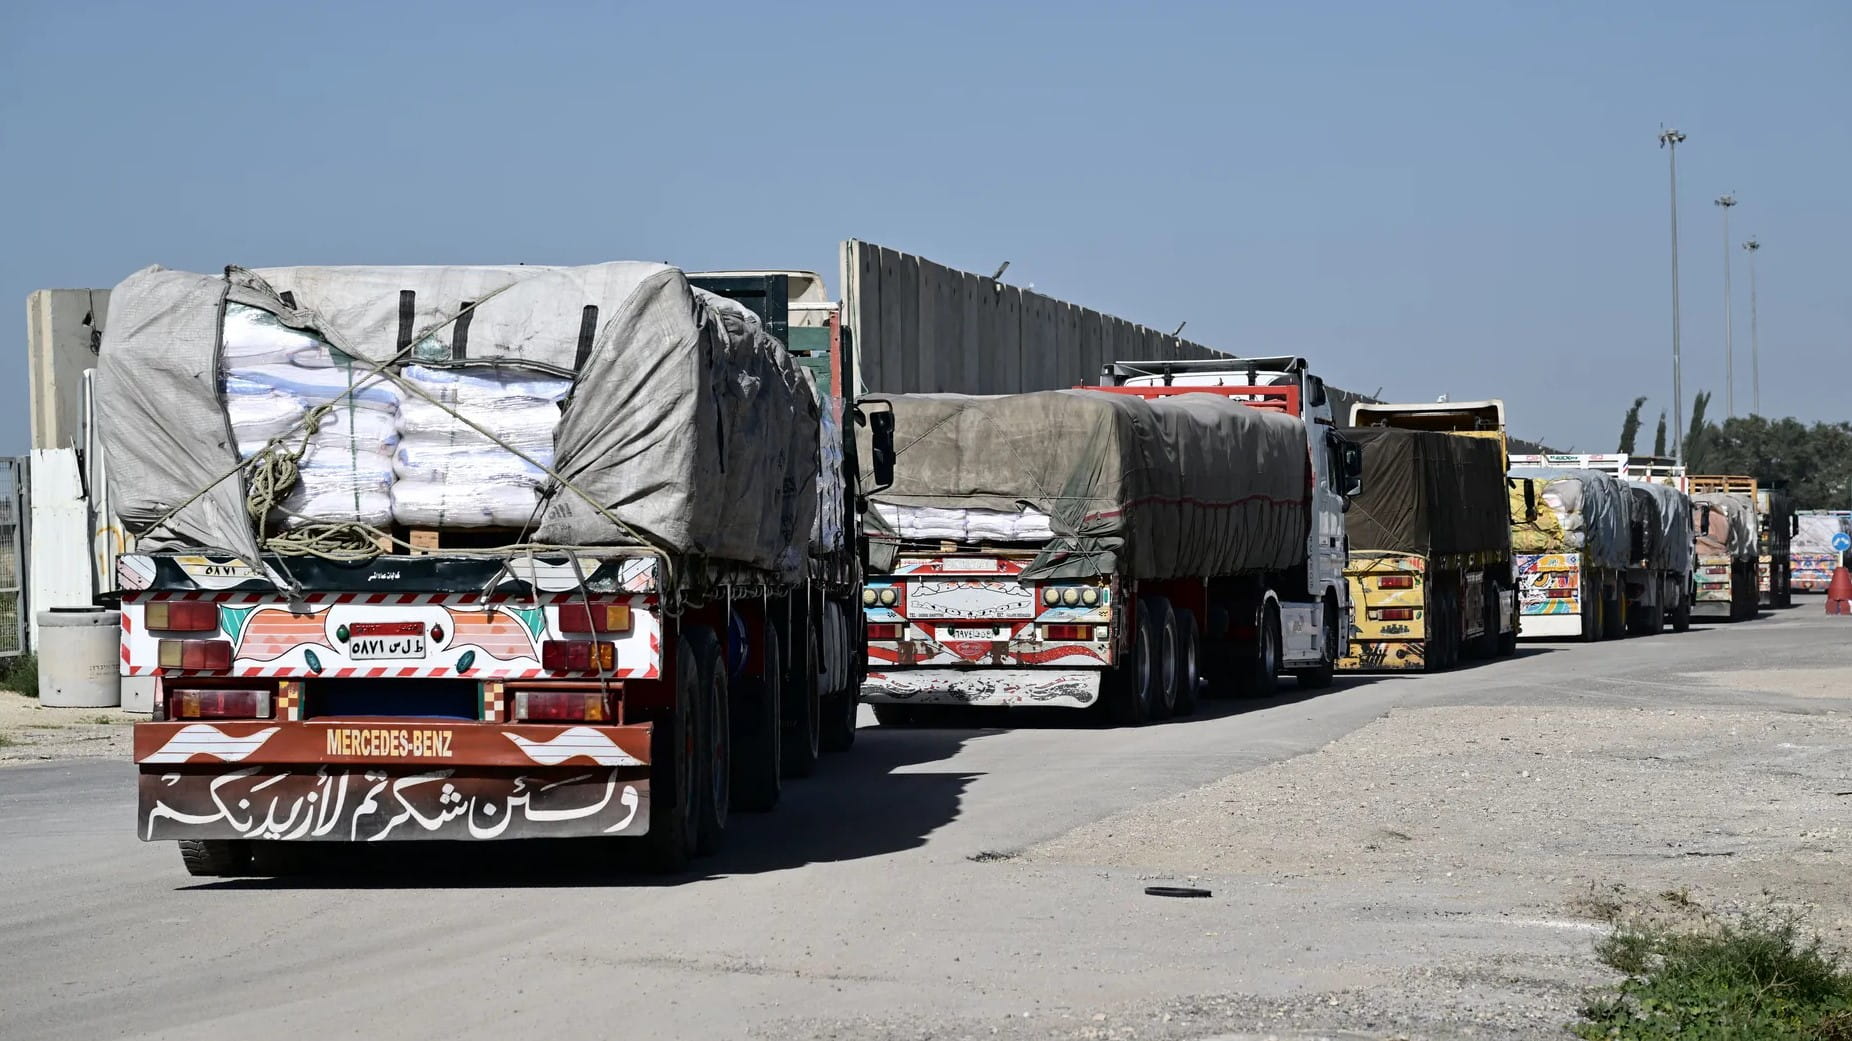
[[880, 900]]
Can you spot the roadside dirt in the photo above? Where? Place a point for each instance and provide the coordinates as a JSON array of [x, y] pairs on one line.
[[32, 733]]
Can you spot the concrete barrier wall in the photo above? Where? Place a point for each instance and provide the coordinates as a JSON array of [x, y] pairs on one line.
[[922, 327]]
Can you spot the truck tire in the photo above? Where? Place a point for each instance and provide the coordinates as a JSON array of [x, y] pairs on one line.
[[1592, 617], [758, 731], [1131, 685], [1189, 667], [838, 734], [675, 792], [716, 743], [1260, 674], [1440, 628], [1319, 676], [803, 709], [1506, 643], [215, 858], [1164, 654], [1681, 617], [895, 715], [1614, 616]]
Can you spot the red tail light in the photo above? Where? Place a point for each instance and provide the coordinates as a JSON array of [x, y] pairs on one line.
[[594, 618], [578, 656], [883, 631], [196, 655], [1395, 614], [561, 706], [1067, 632], [1396, 582], [218, 704], [185, 616]]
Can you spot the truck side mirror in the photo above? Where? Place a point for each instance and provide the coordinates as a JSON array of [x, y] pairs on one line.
[[879, 415], [1350, 456], [1706, 528]]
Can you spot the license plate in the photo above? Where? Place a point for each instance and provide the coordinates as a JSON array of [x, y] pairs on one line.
[[386, 648], [991, 633]]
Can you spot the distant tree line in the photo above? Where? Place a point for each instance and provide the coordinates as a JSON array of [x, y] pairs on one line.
[[1813, 462]]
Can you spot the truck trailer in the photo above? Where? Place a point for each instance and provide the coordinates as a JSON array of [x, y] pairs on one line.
[[1125, 547], [470, 553], [1812, 554], [1776, 526], [1430, 561], [1724, 514], [1574, 549]]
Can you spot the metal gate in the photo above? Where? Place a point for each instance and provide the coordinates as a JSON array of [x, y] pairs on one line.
[[12, 557]]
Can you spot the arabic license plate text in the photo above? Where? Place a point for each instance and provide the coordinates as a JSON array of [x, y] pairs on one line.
[[386, 648], [988, 633]]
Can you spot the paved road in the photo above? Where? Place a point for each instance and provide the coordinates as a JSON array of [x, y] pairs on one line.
[[864, 907]]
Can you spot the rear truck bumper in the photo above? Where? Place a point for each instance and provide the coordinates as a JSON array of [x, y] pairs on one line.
[[390, 779], [1059, 688], [1385, 656], [1552, 626]]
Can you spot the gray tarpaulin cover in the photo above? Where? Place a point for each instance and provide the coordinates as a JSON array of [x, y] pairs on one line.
[[1663, 513], [1593, 511], [1181, 486], [1732, 524], [687, 421], [1429, 493]]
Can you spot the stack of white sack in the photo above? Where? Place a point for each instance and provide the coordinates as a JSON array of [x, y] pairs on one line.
[[966, 525], [827, 530], [447, 474], [274, 376]]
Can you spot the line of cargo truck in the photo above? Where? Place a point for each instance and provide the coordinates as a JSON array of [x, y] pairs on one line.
[[610, 552]]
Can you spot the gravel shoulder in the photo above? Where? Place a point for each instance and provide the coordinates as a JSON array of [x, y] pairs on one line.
[[34, 733]]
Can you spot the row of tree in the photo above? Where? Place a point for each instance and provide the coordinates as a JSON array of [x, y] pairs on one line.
[[1813, 462]]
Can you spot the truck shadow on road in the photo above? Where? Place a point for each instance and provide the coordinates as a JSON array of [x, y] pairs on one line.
[[873, 801]]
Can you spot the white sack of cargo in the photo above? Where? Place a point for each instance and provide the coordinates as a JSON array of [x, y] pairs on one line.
[[1594, 509], [1180, 486], [1730, 518], [687, 428]]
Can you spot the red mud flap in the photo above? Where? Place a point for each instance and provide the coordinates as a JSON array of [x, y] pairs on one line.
[[360, 804]]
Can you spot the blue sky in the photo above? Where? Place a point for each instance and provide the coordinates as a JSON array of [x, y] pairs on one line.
[[1446, 197]]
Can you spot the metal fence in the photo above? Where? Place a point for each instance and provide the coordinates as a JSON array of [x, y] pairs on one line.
[[12, 557]]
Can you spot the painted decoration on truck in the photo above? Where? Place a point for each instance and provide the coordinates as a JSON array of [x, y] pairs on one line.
[[1067, 688], [333, 804], [1549, 583], [204, 739], [383, 635]]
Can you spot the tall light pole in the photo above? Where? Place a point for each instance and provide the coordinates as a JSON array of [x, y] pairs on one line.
[[1755, 341], [1724, 202], [1669, 140]]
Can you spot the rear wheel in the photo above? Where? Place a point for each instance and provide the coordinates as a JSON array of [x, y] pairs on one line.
[[803, 722], [1132, 683], [1592, 615], [1440, 626], [716, 727], [895, 715], [675, 773], [1681, 617], [839, 706], [1189, 673], [758, 732], [1507, 641], [1614, 616], [215, 858], [1164, 657]]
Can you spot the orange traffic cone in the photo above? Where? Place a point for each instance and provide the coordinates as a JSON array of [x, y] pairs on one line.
[[1839, 592]]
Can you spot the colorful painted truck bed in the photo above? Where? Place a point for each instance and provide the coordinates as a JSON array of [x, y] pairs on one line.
[[1812, 553], [1571, 533], [387, 659]]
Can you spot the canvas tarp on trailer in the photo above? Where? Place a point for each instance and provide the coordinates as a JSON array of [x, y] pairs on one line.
[[1184, 486], [1663, 516], [1732, 523], [1428, 493], [1578, 511], [688, 428]]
